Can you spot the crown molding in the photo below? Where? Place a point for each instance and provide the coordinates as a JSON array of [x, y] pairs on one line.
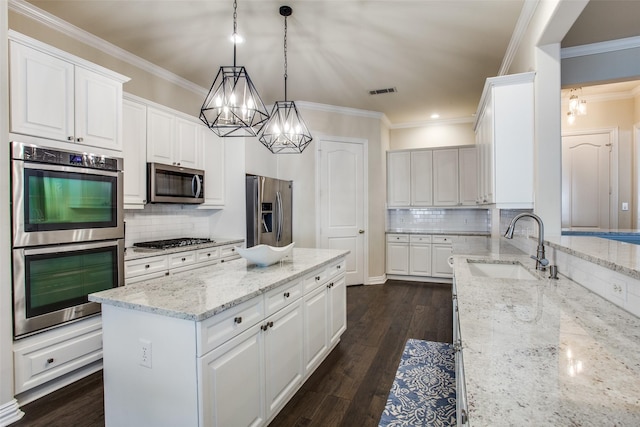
[[528, 9], [601, 47], [52, 21], [442, 122]]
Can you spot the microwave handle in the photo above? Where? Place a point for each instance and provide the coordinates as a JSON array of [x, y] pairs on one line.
[[198, 184]]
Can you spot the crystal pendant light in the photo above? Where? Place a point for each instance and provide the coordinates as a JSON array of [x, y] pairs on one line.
[[285, 131], [233, 106]]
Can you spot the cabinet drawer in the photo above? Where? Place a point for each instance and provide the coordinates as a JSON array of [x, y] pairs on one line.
[[442, 239], [181, 259], [282, 296], [315, 279], [40, 359], [228, 252], [335, 269], [207, 254], [419, 238], [138, 267], [398, 238], [229, 323]]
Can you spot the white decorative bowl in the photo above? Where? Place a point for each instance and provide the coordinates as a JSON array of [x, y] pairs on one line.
[[264, 255]]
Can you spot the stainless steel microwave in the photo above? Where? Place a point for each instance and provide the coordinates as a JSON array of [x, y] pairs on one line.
[[174, 184]]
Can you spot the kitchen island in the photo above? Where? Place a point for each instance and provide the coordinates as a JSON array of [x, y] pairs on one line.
[[539, 351], [222, 345]]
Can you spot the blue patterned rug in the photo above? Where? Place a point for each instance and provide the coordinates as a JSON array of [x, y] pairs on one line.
[[424, 390]]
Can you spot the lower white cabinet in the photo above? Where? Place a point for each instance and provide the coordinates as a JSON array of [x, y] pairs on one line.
[[420, 255], [316, 309]]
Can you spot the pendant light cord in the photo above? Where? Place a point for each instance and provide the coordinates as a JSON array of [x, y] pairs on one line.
[[285, 58], [235, 29]]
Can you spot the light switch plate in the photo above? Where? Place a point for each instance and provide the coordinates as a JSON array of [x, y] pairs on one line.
[[625, 206]]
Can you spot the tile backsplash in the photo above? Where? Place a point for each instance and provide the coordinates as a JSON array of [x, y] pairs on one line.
[[439, 219], [163, 221]]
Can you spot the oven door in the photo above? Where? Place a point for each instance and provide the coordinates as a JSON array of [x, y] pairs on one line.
[[65, 204], [51, 284]]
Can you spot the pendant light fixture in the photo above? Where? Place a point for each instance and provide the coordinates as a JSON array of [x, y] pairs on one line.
[[285, 131], [233, 106]]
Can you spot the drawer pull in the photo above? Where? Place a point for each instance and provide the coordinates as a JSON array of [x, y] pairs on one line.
[[270, 324], [286, 294], [233, 249], [330, 285], [221, 260], [184, 259], [166, 273], [50, 360], [338, 267], [208, 254], [147, 266], [238, 320], [318, 278]]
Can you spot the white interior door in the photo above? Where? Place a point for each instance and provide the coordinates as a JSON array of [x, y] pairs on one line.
[[341, 203], [586, 182]]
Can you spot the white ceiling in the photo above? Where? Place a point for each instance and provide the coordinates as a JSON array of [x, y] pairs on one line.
[[436, 53]]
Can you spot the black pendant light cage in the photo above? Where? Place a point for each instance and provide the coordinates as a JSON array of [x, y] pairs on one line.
[[233, 106], [285, 131]]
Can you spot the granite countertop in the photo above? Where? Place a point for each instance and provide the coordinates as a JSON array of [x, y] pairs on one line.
[[133, 252], [437, 232], [543, 352], [203, 292]]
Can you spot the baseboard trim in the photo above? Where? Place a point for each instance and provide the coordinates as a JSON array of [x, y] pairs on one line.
[[377, 280], [10, 413], [419, 278]]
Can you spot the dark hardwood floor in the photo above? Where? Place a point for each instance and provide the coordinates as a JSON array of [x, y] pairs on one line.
[[350, 387]]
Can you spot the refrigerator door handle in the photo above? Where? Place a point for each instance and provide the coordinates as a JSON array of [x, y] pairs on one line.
[[280, 216]]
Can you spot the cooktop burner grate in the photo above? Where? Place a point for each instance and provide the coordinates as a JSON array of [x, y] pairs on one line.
[[172, 243]]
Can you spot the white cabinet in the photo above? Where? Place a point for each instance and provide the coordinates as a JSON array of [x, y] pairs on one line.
[[422, 178], [420, 255], [134, 138], [468, 176], [315, 309], [397, 254], [214, 166], [57, 96], [173, 140], [399, 178], [337, 290], [442, 249], [504, 134], [445, 177]]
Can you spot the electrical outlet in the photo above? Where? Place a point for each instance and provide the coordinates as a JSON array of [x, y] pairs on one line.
[[625, 206], [145, 353]]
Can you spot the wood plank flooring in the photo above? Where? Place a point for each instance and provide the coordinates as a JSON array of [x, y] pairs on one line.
[[350, 387]]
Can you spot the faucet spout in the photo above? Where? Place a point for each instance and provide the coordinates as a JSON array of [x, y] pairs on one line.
[[541, 261]]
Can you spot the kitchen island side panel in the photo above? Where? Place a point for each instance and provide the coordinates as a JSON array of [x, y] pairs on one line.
[[137, 395]]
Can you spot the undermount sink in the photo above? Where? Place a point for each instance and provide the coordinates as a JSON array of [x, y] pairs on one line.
[[500, 270]]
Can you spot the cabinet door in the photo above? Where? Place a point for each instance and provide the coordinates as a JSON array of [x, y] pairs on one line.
[[232, 382], [420, 260], [439, 261], [283, 355], [399, 179], [188, 147], [445, 177], [338, 308], [421, 178], [98, 110], [134, 138], [397, 258], [315, 310], [468, 173], [41, 94], [214, 168], [160, 136]]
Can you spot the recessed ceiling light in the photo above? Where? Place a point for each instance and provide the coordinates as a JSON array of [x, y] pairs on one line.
[[435, 116]]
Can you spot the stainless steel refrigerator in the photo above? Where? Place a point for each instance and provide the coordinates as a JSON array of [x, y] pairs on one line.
[[268, 211]]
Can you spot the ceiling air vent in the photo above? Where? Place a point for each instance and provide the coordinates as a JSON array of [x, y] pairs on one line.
[[381, 91]]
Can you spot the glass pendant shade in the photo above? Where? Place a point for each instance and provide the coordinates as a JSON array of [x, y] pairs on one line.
[[285, 131], [233, 106]]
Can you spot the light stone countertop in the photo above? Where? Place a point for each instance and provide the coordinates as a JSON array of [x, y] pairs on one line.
[[543, 352], [136, 253], [203, 292]]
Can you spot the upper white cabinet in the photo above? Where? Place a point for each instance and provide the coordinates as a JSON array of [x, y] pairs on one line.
[[445, 177], [504, 134], [173, 140], [213, 153], [432, 177], [134, 137], [58, 96]]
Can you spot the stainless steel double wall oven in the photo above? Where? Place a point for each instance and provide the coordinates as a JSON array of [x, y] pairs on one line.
[[67, 233]]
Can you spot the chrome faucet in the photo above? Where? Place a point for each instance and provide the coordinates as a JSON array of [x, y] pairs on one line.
[[541, 261]]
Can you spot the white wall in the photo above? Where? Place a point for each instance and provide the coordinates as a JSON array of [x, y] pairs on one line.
[[433, 135]]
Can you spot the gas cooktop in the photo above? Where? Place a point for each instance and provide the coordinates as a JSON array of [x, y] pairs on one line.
[[173, 243]]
